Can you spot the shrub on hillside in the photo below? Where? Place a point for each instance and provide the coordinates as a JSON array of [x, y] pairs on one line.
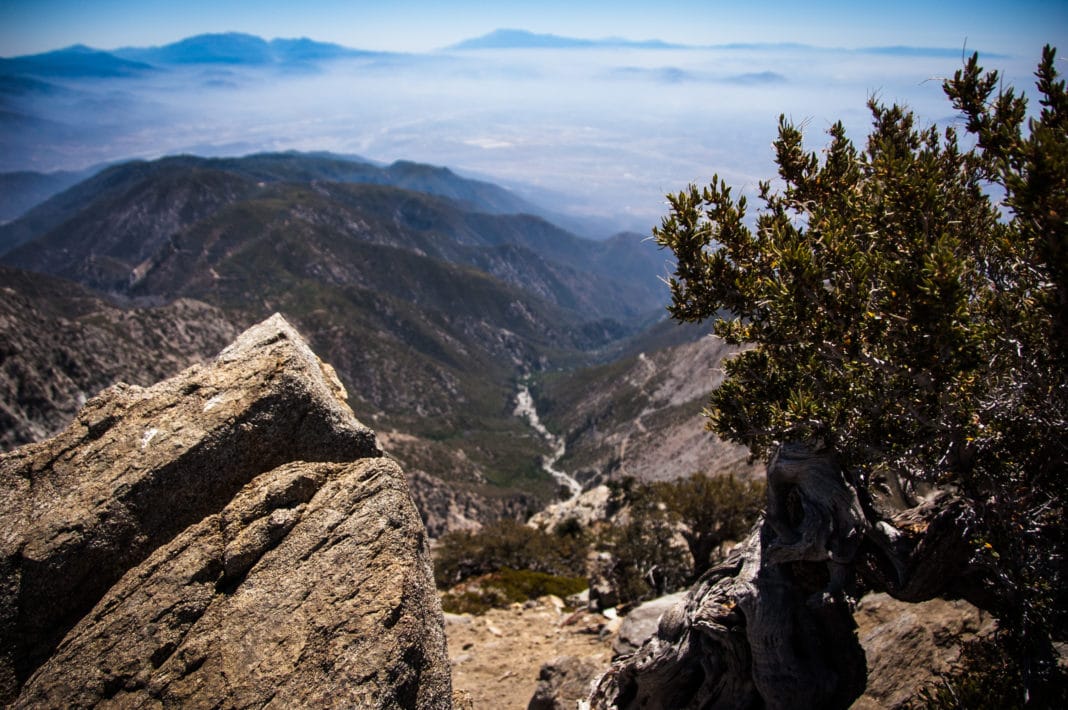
[[646, 561], [648, 558], [508, 543], [647, 542], [711, 510], [508, 586]]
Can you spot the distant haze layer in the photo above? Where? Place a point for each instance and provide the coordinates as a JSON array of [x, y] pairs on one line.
[[600, 131]]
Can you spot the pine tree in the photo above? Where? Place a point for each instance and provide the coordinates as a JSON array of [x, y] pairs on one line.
[[907, 304]]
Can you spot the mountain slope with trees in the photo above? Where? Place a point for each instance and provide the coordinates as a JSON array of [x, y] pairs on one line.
[[431, 306]]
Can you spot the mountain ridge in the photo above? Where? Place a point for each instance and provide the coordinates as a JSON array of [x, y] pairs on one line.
[[74, 61], [275, 167], [144, 204], [231, 48], [430, 311]]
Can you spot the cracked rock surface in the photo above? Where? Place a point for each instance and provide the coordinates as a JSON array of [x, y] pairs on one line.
[[232, 537]]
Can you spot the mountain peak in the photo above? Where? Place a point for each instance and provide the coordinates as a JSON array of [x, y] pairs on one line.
[[525, 39], [514, 38], [234, 48]]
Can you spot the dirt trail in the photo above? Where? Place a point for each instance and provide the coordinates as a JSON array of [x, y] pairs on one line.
[[496, 657]]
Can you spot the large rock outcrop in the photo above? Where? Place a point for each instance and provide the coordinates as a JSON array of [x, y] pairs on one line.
[[230, 537], [908, 646]]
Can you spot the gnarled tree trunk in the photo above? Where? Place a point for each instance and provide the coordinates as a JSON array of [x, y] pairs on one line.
[[772, 626]]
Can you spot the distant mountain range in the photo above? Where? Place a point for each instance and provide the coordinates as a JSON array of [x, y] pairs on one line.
[[236, 48], [522, 39], [76, 61], [228, 49]]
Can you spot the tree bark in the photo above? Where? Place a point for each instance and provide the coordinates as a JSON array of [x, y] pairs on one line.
[[772, 625]]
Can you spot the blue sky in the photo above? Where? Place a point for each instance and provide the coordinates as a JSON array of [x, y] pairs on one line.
[[1021, 27]]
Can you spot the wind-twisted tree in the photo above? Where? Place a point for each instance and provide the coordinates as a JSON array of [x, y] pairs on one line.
[[907, 308]]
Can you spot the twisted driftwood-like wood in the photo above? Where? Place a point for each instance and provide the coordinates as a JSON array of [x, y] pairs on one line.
[[772, 625]]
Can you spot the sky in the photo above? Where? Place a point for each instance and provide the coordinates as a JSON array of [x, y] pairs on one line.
[[32, 26]]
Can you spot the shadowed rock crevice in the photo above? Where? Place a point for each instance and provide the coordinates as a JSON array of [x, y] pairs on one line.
[[229, 536]]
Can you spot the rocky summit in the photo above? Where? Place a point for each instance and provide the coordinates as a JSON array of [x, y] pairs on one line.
[[229, 537]]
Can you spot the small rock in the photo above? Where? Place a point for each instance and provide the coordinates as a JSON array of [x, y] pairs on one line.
[[612, 627], [457, 619], [580, 600], [563, 682], [641, 623]]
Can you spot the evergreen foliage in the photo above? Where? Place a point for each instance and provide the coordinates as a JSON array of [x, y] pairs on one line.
[[647, 560], [907, 319], [712, 510], [510, 544]]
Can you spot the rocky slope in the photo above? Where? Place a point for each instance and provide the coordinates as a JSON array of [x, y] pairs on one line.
[[61, 344], [640, 415], [430, 307], [232, 536]]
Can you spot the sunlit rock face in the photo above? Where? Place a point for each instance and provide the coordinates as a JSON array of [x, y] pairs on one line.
[[230, 537]]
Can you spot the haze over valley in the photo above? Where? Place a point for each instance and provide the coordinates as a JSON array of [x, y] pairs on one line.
[[591, 129]]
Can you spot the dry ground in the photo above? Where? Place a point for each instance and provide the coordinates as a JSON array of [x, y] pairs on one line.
[[496, 657]]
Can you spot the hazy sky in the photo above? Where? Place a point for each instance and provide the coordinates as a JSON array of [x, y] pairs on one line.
[[29, 26], [592, 132]]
